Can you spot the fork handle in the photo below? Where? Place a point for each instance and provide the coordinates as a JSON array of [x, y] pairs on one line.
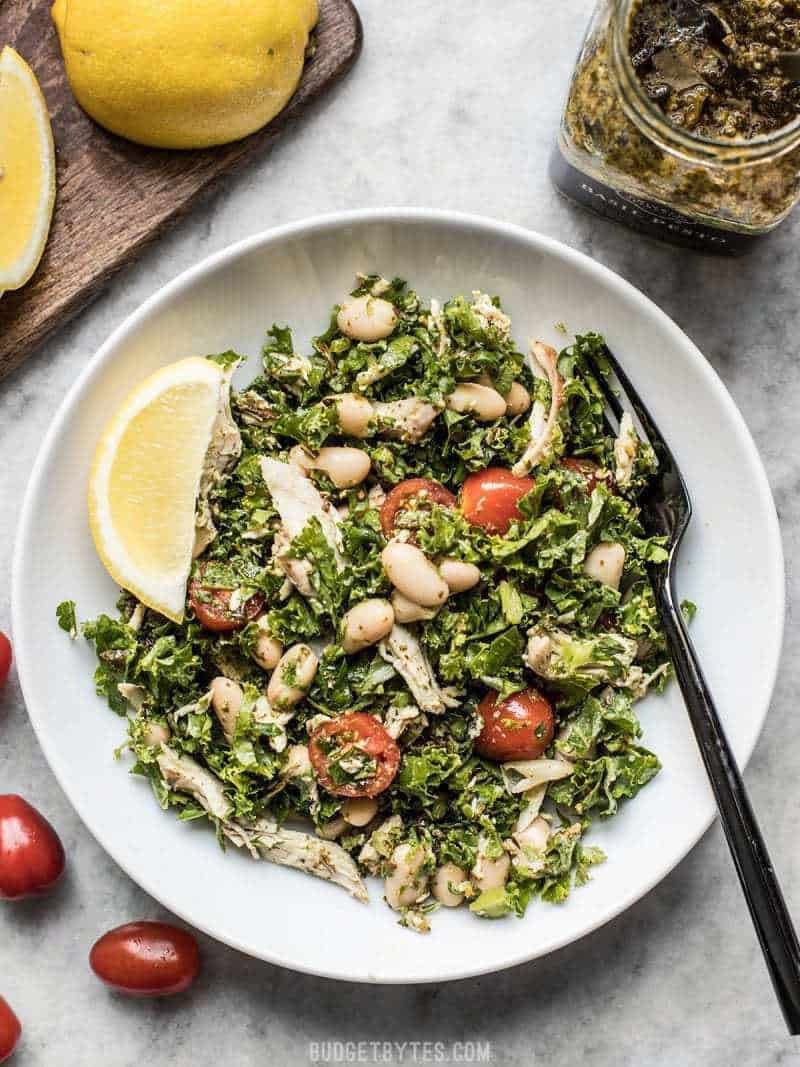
[[761, 889]]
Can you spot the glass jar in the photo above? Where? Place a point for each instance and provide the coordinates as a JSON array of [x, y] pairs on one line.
[[619, 155]]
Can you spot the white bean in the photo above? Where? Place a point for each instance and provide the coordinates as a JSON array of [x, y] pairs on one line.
[[534, 836], [446, 875], [367, 318], [358, 811], [518, 399], [406, 610], [226, 700], [155, 734], [410, 571], [298, 762], [292, 677], [267, 650], [355, 414], [332, 829], [366, 624], [485, 403], [491, 873], [406, 884], [605, 563], [459, 576], [345, 467], [302, 458]]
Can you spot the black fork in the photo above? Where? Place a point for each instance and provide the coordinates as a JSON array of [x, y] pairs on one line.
[[666, 510]]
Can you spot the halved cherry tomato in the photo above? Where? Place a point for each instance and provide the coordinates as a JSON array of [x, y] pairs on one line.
[[5, 658], [413, 492], [146, 959], [589, 471], [212, 606], [519, 727], [359, 731], [489, 498], [31, 855], [10, 1030]]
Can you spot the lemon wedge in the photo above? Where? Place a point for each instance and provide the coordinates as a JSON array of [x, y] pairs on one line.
[[27, 171], [145, 481]]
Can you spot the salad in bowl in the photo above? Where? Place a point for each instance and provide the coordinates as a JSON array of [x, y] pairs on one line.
[[417, 617]]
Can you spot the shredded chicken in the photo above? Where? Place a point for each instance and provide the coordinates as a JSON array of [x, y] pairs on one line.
[[520, 776], [380, 286], [397, 719], [537, 656], [187, 776], [417, 920], [303, 852], [375, 372], [264, 714], [639, 683], [403, 651], [542, 424], [134, 694], [534, 798], [297, 500], [407, 420], [557, 655], [289, 848], [223, 451], [490, 317], [625, 448], [295, 365], [298, 571], [380, 844], [254, 409]]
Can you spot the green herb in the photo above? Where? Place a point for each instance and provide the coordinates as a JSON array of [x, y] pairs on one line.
[[67, 619]]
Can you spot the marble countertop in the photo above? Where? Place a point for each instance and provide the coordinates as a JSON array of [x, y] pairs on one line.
[[450, 106]]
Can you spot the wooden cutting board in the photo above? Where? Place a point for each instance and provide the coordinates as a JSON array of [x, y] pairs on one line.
[[115, 197]]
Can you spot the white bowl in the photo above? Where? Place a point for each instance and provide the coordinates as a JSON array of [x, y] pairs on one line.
[[731, 565]]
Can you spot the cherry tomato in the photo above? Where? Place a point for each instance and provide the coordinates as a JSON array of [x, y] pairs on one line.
[[360, 731], [31, 855], [519, 727], [146, 959], [5, 658], [10, 1030], [489, 498], [212, 606], [589, 471], [413, 492]]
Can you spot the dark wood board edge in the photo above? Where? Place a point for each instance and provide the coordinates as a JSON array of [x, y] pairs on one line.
[[25, 323]]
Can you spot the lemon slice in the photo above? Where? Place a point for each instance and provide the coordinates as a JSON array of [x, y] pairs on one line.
[[27, 171], [145, 481]]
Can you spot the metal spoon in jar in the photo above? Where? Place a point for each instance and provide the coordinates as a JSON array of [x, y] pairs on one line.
[[720, 29]]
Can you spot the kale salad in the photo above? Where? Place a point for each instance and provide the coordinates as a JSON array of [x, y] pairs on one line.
[[418, 618]]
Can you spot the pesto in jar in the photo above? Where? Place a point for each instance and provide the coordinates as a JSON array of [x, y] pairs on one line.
[[714, 68], [680, 120]]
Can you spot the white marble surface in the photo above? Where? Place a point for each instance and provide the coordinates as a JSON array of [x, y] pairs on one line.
[[452, 106]]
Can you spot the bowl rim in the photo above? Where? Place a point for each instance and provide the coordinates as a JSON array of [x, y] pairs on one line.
[[320, 223]]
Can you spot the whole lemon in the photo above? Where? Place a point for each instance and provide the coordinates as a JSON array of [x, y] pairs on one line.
[[183, 73]]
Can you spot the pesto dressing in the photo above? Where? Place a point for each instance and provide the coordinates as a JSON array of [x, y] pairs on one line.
[[680, 121]]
